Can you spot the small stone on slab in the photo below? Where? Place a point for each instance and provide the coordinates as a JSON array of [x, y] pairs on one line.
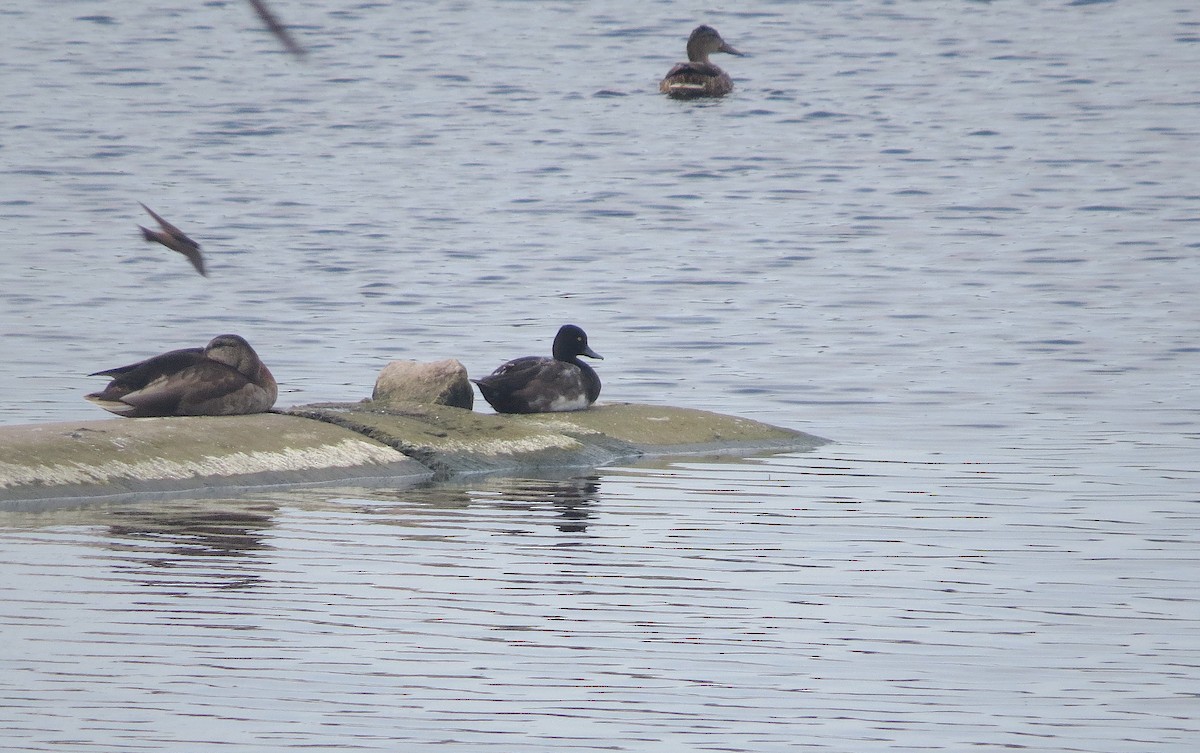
[[438, 383]]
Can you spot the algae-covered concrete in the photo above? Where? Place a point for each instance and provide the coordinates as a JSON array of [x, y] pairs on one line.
[[120, 457], [665, 430], [453, 441], [333, 442]]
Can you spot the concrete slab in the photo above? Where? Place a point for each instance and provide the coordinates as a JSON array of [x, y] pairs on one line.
[[137, 456], [452, 441], [326, 443]]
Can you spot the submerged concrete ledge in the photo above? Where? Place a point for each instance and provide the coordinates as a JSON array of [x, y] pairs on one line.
[[332, 442], [452, 441], [127, 456]]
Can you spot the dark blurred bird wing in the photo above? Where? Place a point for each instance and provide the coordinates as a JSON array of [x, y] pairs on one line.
[[272, 23], [174, 239], [168, 227]]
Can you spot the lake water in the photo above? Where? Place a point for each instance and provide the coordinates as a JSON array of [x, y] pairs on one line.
[[958, 238]]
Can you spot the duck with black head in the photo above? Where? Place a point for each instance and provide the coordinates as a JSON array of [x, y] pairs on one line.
[[699, 77], [537, 384], [224, 378]]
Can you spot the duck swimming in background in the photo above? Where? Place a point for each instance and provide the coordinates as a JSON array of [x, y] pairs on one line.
[[224, 378], [536, 384], [698, 77]]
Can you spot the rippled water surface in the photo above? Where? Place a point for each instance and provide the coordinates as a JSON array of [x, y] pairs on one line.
[[958, 238], [777, 604]]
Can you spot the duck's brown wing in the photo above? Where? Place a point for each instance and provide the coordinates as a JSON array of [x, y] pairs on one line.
[[690, 71], [206, 388], [695, 79], [150, 387], [137, 375]]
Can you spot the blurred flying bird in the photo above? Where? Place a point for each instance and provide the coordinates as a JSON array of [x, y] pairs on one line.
[[272, 23], [174, 239]]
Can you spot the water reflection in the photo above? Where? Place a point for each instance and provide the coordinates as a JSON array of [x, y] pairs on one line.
[[572, 499], [191, 543], [191, 529]]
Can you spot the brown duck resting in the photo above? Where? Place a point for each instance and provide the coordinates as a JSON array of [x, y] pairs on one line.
[[698, 77], [536, 384], [224, 378]]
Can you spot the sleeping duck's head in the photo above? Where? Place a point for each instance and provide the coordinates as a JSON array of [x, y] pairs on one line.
[[235, 352], [571, 342]]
